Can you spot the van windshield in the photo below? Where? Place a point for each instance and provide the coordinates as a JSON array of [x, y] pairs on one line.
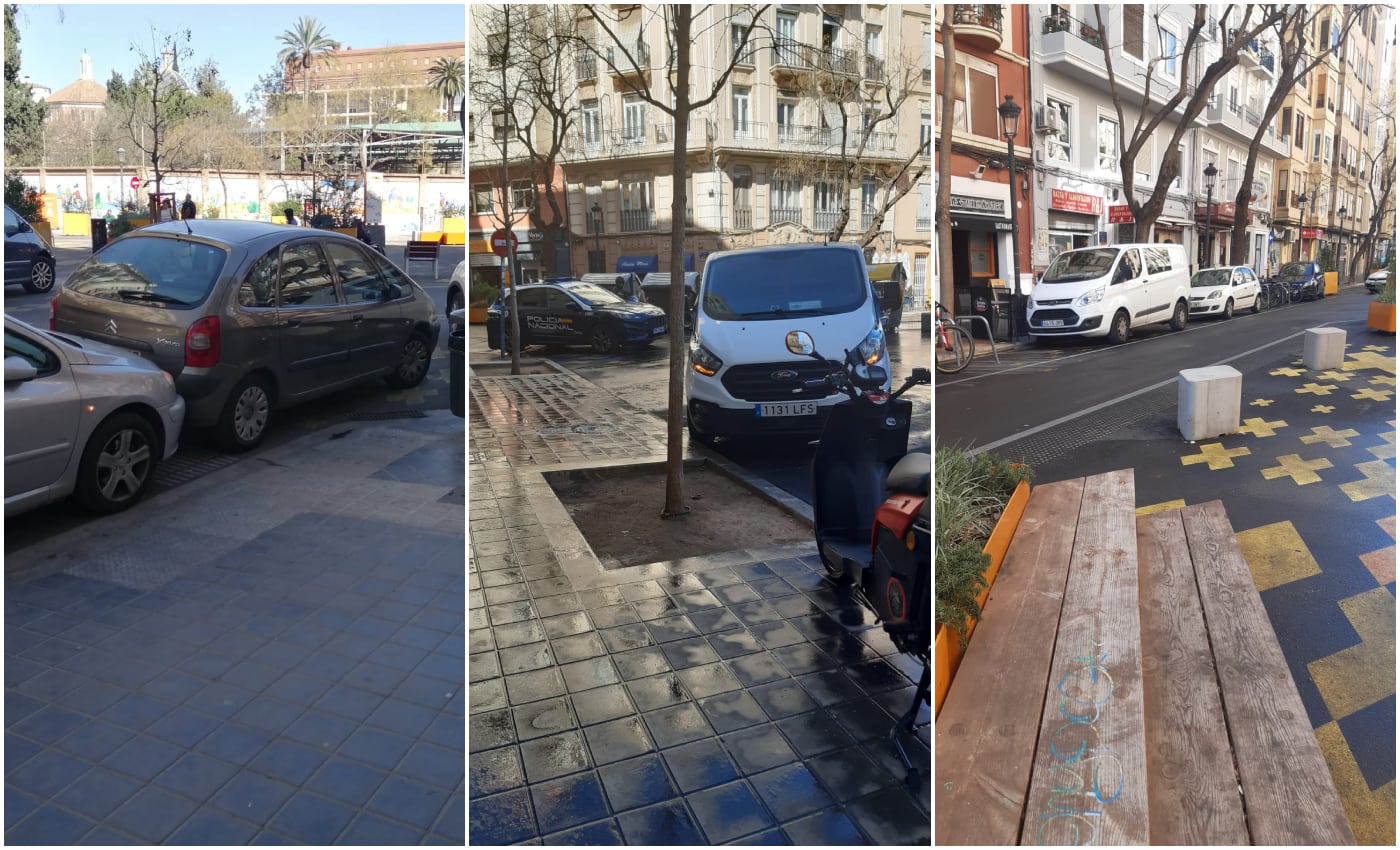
[[1072, 266], [777, 284], [153, 269]]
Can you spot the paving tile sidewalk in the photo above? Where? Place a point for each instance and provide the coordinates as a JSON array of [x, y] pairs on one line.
[[736, 698], [271, 654]]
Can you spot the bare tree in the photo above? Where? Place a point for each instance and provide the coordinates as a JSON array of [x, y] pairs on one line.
[[1380, 172], [628, 61], [1190, 95], [944, 215], [1295, 63], [157, 97]]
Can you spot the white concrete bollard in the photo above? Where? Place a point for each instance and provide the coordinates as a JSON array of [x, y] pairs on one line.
[[1208, 401], [1324, 348]]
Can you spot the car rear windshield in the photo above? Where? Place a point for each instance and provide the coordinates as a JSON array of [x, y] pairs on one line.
[[1298, 270], [1073, 266], [776, 284], [162, 271], [1212, 277]]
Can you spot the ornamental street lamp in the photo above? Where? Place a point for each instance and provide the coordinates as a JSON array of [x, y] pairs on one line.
[[1011, 116], [1341, 242], [596, 263], [121, 178], [1211, 171]]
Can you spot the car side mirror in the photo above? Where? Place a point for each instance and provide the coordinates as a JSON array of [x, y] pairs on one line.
[[19, 369]]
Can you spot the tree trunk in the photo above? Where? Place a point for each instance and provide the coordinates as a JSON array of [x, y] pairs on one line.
[[675, 401], [945, 166]]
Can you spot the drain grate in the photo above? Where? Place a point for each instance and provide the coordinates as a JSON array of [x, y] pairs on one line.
[[188, 465], [388, 414]]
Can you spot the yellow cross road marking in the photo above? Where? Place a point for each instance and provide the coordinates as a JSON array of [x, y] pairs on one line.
[[1374, 395], [1379, 481], [1259, 428], [1333, 375], [1369, 360], [1261, 402], [1288, 371], [1323, 408], [1335, 439], [1386, 449], [1215, 456], [1301, 471], [1370, 813], [1381, 562], [1276, 555], [1382, 379], [1348, 680], [1161, 506], [1376, 348], [1316, 389]]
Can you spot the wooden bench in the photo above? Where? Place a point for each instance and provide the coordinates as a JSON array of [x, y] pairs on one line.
[[1125, 686], [421, 252]]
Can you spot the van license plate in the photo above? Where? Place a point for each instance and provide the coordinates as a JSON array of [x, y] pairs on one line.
[[786, 408], [1053, 323]]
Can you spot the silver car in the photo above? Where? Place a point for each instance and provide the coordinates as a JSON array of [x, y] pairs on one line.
[[250, 317], [82, 418]]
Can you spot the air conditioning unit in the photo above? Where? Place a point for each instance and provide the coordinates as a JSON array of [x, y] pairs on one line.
[[1047, 120]]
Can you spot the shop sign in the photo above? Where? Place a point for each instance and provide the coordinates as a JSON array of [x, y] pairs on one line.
[[1120, 214], [1079, 202], [978, 206], [1307, 233]]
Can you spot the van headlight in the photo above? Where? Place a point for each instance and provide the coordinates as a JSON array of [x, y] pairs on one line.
[[872, 348], [704, 361], [1093, 296]]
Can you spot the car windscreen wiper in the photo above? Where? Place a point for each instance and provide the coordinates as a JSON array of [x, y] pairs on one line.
[[140, 295]]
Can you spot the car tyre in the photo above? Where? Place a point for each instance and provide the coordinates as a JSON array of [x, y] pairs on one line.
[[412, 366], [118, 464], [1178, 321], [246, 415], [604, 339], [1229, 312], [1118, 330], [41, 276], [1256, 306]]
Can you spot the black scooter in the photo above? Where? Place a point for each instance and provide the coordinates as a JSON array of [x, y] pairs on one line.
[[871, 512]]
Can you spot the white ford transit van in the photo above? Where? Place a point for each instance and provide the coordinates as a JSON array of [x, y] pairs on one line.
[[741, 378], [1111, 289]]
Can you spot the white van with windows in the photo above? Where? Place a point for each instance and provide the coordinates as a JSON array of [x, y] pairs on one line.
[[1111, 289]]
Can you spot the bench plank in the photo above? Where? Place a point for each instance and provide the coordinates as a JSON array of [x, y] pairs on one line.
[[1192, 792], [986, 731], [1288, 790], [1089, 779]]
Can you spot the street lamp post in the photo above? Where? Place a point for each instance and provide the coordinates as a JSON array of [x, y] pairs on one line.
[[1211, 171], [1302, 208], [1010, 114], [597, 239], [1341, 240], [121, 179]]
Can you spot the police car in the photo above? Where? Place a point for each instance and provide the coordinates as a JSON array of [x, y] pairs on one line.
[[574, 313]]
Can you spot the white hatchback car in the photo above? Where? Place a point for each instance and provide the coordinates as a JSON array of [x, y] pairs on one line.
[[83, 418], [1221, 291]]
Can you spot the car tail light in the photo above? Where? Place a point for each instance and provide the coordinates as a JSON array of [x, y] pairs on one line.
[[53, 314], [202, 346]]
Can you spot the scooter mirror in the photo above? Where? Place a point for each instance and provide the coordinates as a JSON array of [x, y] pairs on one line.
[[921, 376], [800, 342]]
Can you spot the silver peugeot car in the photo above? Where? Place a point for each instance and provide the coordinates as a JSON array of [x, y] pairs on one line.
[[251, 317], [84, 419]]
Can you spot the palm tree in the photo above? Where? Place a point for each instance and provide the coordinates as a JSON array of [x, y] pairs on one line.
[[447, 77], [305, 43]]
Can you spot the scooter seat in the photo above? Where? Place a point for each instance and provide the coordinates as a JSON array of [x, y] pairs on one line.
[[911, 474]]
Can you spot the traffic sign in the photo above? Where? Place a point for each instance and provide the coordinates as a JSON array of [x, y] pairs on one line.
[[135, 182], [503, 242]]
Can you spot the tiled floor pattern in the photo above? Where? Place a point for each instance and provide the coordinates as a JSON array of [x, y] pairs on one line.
[[269, 697]]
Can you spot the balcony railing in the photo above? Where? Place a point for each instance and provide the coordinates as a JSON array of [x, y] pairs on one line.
[[978, 14], [777, 214], [586, 68], [638, 221], [922, 221], [1062, 22], [874, 67], [743, 218], [789, 53], [825, 220], [641, 52], [867, 218]]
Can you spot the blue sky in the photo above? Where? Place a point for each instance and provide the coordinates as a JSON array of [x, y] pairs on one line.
[[242, 39]]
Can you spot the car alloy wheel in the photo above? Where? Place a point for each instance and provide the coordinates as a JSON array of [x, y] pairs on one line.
[[1229, 312], [41, 276], [117, 464], [604, 339]]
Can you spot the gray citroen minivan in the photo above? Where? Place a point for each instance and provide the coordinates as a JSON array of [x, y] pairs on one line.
[[250, 317]]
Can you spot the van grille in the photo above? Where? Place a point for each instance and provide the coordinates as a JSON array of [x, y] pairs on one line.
[[1069, 316], [755, 381]]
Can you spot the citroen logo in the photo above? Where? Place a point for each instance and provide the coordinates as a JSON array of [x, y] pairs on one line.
[[784, 375], [111, 326]]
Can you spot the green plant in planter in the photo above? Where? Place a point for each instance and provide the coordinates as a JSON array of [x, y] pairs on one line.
[[481, 294], [1387, 293], [969, 494]]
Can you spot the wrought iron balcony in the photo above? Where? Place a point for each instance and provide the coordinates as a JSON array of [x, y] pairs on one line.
[[874, 67], [586, 67], [867, 218], [790, 57], [638, 221], [979, 23]]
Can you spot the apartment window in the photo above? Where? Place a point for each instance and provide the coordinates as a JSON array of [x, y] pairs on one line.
[[1167, 40], [979, 81], [928, 53], [1058, 144], [634, 119], [1132, 30], [827, 206], [591, 123], [925, 129], [638, 203], [1108, 144], [922, 217], [495, 50], [1317, 146], [787, 120], [785, 39], [785, 199], [867, 202], [1300, 134], [501, 126], [743, 50], [874, 63], [522, 195], [1327, 150], [742, 128], [481, 199], [743, 201]]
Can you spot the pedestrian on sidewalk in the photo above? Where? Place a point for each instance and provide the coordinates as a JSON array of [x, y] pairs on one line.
[[187, 208], [291, 217]]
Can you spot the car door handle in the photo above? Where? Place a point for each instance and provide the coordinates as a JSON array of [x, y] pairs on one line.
[[357, 317], [294, 323]]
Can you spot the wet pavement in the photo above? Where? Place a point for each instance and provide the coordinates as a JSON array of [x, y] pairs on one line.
[[732, 698], [271, 654]]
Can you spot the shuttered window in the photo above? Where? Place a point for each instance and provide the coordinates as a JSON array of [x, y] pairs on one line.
[[1132, 30]]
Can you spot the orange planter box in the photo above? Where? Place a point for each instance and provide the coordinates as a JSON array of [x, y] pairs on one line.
[[1381, 317], [947, 648]]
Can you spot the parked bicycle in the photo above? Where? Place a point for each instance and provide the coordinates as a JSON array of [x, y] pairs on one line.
[[1275, 292], [952, 344]]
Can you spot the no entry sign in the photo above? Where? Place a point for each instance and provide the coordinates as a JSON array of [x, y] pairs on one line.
[[503, 242]]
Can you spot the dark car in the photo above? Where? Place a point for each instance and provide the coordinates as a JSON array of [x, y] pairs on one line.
[[28, 258], [1303, 279], [575, 313], [250, 317]]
